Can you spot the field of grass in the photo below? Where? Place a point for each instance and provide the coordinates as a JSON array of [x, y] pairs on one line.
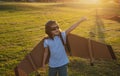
[[22, 27]]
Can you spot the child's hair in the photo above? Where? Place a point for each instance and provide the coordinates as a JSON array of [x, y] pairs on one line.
[[48, 28]]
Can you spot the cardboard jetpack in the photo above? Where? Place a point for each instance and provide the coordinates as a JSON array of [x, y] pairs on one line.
[[78, 47]]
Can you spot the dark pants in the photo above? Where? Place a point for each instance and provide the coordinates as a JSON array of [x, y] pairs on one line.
[[61, 71]]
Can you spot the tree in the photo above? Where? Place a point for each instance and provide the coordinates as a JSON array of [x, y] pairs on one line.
[[118, 1]]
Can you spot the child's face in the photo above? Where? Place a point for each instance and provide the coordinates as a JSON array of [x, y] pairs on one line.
[[55, 30]]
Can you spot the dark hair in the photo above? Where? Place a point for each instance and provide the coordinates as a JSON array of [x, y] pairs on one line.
[[48, 28]]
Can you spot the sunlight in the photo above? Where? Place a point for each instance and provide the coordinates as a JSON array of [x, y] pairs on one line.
[[94, 1], [90, 1]]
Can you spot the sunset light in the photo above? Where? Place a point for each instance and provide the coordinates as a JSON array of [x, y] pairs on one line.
[[94, 1], [90, 1]]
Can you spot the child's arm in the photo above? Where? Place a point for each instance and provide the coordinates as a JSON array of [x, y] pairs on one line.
[[75, 25], [45, 56]]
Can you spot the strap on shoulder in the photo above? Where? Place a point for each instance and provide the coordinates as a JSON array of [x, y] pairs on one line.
[[66, 46]]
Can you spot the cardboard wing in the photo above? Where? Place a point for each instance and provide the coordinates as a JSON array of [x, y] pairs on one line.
[[32, 61], [86, 48]]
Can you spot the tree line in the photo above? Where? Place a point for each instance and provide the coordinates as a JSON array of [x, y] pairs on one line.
[[117, 1], [40, 0]]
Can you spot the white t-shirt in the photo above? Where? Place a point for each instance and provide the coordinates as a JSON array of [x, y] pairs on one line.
[[58, 56]]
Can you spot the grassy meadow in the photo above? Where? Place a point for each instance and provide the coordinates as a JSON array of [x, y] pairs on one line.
[[22, 27]]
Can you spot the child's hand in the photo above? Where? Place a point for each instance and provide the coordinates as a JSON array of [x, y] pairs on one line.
[[43, 66]]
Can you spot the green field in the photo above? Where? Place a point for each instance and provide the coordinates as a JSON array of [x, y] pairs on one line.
[[22, 27]]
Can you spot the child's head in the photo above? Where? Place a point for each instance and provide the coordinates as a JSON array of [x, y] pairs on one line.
[[52, 28]]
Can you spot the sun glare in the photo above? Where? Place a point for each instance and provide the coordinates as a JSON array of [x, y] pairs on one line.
[[90, 1], [94, 1]]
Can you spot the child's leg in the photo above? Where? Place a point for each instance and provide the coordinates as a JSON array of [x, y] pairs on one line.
[[62, 71], [52, 72]]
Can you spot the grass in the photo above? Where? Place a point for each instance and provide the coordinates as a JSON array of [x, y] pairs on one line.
[[22, 27]]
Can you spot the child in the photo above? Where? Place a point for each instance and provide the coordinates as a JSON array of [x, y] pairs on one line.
[[58, 58]]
